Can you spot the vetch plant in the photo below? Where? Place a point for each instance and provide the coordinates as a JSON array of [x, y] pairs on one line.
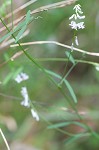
[[26, 101], [34, 114], [60, 82]]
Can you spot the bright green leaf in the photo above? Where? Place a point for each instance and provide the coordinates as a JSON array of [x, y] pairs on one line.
[[20, 34], [64, 124], [70, 90], [70, 57]]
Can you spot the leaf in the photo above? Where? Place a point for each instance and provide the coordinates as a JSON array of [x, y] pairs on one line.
[[5, 36], [66, 83], [4, 6], [8, 78], [20, 25], [17, 72], [28, 17], [53, 74], [64, 124], [12, 32], [70, 90], [73, 138], [58, 125], [70, 57], [20, 34], [27, 20]]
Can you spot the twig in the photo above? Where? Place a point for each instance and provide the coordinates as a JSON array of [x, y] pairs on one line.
[[20, 8], [41, 9], [6, 143], [56, 43]]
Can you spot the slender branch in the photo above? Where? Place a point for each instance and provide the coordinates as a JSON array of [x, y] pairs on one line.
[[41, 9], [20, 8], [59, 44], [6, 143]]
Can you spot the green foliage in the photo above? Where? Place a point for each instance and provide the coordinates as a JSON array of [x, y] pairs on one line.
[[3, 7], [60, 89]]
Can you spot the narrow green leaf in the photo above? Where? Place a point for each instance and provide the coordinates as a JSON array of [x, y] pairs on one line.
[[20, 25], [12, 32], [64, 124], [20, 34], [53, 74], [70, 57], [70, 90], [73, 138], [28, 17], [5, 36], [66, 83], [27, 20], [8, 78], [58, 125], [17, 72]]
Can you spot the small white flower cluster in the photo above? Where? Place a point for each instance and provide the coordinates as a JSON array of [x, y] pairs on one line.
[[34, 114], [97, 68], [21, 77], [26, 101], [74, 20]]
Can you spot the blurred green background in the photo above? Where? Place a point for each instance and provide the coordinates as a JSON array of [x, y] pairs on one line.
[[16, 121]]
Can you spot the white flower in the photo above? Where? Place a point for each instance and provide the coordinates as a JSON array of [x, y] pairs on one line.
[[25, 101], [73, 25], [97, 68], [72, 46], [76, 40], [73, 16], [80, 17], [77, 9], [21, 77], [76, 26], [76, 16], [35, 115], [81, 25]]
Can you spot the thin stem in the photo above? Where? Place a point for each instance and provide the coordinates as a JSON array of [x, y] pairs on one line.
[[6, 143], [66, 74], [59, 44], [12, 13]]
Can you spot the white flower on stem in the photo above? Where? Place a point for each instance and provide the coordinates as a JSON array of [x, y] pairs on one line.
[[73, 25], [72, 46], [77, 9], [76, 40], [35, 115], [25, 101], [21, 77], [73, 16], [97, 68], [81, 25], [80, 17], [77, 26], [76, 16]]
